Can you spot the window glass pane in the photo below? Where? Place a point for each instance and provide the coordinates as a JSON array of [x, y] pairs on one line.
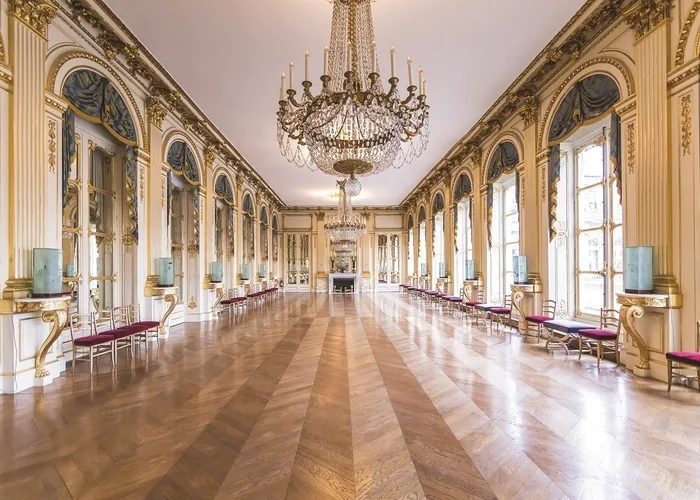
[[616, 207], [590, 166], [511, 251], [590, 208], [509, 282], [591, 293], [618, 287], [618, 249], [512, 228], [591, 254], [510, 205]]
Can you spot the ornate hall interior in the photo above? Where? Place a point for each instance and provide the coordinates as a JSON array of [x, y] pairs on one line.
[[349, 249]]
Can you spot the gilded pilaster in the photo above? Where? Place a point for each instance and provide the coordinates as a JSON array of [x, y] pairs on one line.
[[28, 177], [648, 20], [156, 239]]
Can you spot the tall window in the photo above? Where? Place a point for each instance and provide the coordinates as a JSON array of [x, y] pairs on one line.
[[102, 196], [422, 243], [264, 248], [438, 270], [505, 234], [248, 237], [464, 243], [598, 224], [411, 262]]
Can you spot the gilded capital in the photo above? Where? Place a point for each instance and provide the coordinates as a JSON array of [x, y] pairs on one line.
[[646, 15], [156, 111], [209, 154], [36, 14], [528, 111]]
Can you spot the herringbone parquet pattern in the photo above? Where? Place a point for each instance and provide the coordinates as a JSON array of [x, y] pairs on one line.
[[325, 397]]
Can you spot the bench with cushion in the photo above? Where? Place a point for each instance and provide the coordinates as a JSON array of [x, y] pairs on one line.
[[566, 329], [687, 359]]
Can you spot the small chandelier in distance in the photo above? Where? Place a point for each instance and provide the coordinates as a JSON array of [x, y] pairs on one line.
[[352, 126], [343, 227]]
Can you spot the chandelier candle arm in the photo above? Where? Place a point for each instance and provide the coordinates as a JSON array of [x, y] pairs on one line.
[[291, 75], [282, 88], [325, 60], [374, 56], [392, 53], [306, 66], [410, 73], [420, 80]]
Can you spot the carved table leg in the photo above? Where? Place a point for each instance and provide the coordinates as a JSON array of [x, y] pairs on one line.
[[627, 314], [164, 327], [57, 319], [518, 304]]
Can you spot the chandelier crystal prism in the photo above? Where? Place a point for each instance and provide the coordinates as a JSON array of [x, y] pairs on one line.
[[353, 127], [344, 228]]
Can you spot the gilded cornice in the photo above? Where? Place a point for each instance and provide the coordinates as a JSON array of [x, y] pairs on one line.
[[685, 33], [528, 110], [684, 73], [140, 63], [36, 14], [646, 15], [55, 101], [567, 46]]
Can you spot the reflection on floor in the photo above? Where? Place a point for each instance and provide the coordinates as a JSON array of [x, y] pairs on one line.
[[350, 397]]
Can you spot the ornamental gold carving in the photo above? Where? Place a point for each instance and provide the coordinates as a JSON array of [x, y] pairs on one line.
[[631, 153], [209, 154], [528, 111], [142, 183], [52, 146], [646, 15], [685, 33], [686, 124], [155, 111], [36, 14]]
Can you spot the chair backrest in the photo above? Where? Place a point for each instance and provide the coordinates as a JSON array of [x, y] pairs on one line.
[[134, 313], [549, 308], [232, 292], [479, 296], [507, 303], [246, 289], [81, 325], [610, 320], [104, 322], [120, 316], [441, 285]]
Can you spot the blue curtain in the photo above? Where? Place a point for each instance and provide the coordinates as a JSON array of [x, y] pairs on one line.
[[463, 188], [169, 188], [223, 189], [554, 168], [616, 151], [248, 205], [181, 159], [504, 160], [421, 215], [438, 204], [132, 192], [587, 101], [94, 98], [69, 151]]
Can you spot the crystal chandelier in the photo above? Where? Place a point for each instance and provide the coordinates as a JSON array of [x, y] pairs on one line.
[[352, 126], [343, 227]]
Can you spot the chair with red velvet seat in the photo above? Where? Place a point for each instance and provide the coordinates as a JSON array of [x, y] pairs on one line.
[[534, 322], [605, 337], [86, 342], [685, 360], [502, 314], [470, 304], [123, 333], [150, 326]]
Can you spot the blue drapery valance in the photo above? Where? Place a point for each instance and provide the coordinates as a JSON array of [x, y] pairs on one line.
[[438, 204], [503, 161], [94, 98], [275, 227], [588, 101], [263, 216], [182, 161], [410, 222], [421, 215], [248, 207], [463, 188], [223, 190]]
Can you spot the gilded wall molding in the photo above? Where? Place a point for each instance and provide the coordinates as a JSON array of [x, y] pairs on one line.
[[686, 124], [53, 127], [685, 34], [646, 15], [528, 111], [123, 86], [631, 146], [35, 14], [155, 111]]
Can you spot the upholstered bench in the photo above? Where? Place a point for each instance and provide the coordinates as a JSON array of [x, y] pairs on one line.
[[566, 329], [686, 359], [482, 310]]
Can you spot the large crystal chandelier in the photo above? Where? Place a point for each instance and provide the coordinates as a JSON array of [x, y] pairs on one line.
[[343, 227], [352, 126]]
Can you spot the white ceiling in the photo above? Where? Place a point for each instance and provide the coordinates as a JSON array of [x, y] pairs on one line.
[[228, 56]]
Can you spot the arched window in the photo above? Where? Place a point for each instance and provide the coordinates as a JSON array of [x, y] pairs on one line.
[[422, 243], [99, 151], [224, 224], [438, 227], [503, 219], [464, 246], [183, 208], [585, 188], [411, 239], [248, 221], [264, 246], [275, 240]]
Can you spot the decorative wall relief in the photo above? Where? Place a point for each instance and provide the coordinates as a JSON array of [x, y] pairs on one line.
[[52, 146], [142, 183], [631, 144], [686, 124]]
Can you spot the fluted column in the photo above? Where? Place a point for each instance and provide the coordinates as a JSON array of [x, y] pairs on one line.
[[27, 47], [209, 229], [649, 21], [156, 238], [238, 259]]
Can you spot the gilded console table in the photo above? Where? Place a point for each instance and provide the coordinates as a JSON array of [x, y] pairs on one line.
[[518, 292], [631, 311]]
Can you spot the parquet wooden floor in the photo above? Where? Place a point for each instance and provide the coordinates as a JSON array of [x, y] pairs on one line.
[[342, 397]]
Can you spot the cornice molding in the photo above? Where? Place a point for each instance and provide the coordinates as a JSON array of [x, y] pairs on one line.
[[35, 14], [646, 15], [566, 47], [125, 48]]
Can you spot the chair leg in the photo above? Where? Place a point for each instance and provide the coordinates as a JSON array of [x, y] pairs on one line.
[[598, 352], [580, 347], [670, 374], [91, 357], [75, 353]]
